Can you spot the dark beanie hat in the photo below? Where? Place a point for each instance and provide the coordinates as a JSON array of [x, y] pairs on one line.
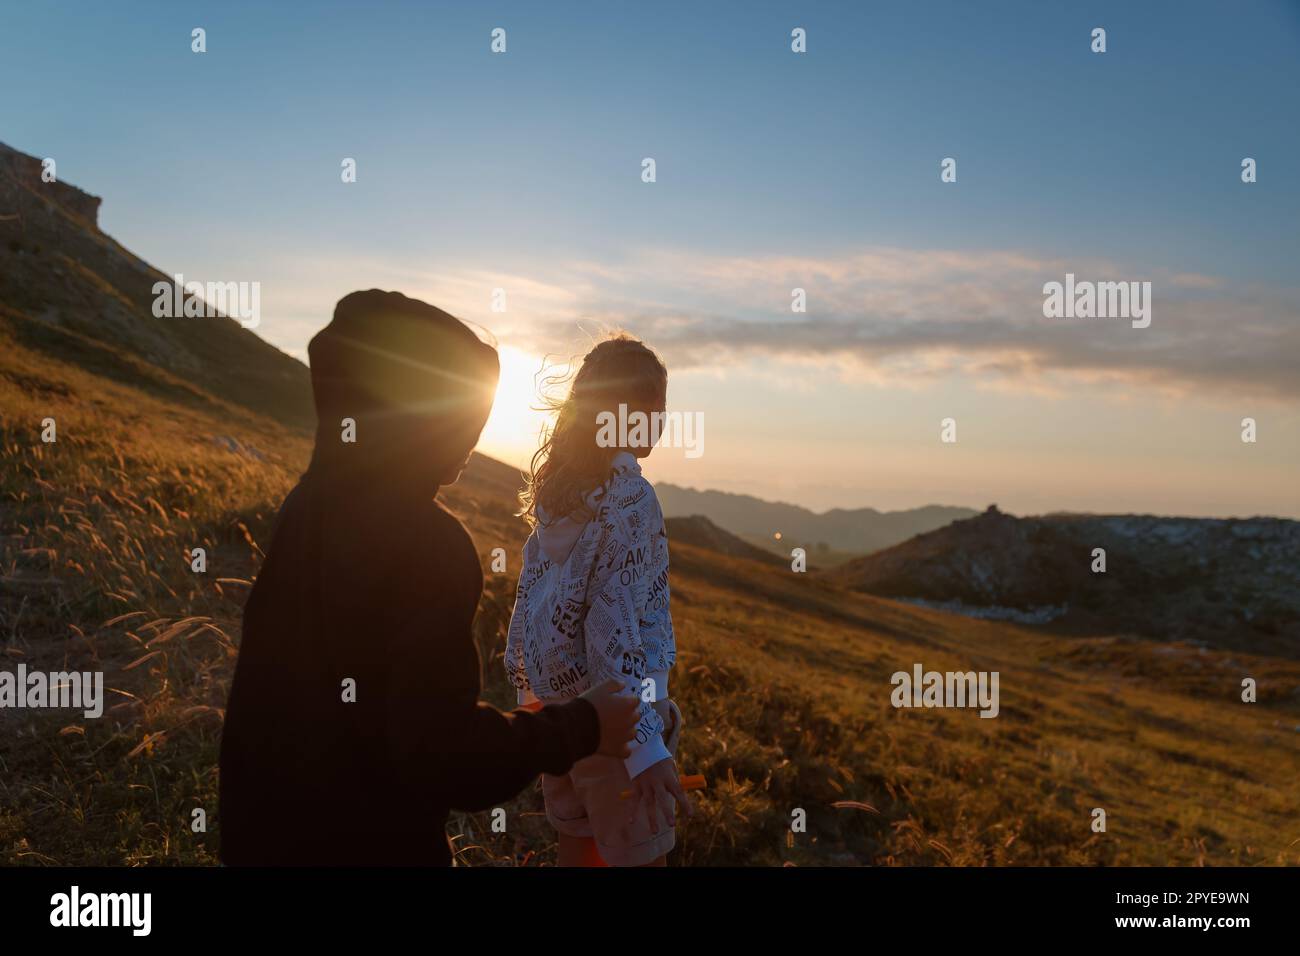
[[417, 381]]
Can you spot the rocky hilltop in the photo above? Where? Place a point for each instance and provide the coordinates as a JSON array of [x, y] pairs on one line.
[[1220, 582], [72, 292]]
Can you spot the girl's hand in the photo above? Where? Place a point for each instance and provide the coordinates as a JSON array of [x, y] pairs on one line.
[[659, 794]]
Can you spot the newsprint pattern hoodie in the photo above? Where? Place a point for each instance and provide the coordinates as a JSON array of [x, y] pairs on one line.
[[618, 560]]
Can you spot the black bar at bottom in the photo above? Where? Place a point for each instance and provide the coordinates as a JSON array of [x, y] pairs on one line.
[[680, 908]]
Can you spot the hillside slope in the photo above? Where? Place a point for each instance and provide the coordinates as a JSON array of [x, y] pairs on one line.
[[1225, 583], [60, 273], [699, 531]]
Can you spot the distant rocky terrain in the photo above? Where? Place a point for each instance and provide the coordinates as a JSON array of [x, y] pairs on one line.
[[1220, 582]]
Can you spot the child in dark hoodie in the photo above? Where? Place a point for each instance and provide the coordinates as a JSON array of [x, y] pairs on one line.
[[354, 725]]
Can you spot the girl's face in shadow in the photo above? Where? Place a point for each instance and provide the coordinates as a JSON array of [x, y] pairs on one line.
[[657, 407]]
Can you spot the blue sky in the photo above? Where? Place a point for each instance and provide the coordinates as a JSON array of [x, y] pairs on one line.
[[775, 170]]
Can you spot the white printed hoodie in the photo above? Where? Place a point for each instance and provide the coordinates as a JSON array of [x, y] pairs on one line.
[[628, 631]]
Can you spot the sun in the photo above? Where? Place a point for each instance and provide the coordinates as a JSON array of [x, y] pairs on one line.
[[512, 430]]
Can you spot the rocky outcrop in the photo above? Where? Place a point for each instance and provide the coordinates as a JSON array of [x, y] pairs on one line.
[[18, 169], [1220, 582], [66, 286]]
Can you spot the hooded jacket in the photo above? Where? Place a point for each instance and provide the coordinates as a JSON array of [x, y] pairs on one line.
[[353, 724], [616, 566]]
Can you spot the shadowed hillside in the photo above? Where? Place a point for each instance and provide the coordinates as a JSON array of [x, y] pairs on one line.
[[69, 291], [699, 531]]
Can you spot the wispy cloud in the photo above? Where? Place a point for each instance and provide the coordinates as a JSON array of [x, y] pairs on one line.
[[892, 316]]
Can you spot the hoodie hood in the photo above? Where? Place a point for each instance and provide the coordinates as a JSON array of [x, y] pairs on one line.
[[414, 382], [557, 538]]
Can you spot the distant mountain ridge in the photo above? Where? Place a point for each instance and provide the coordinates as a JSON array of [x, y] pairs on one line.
[[1221, 582], [67, 289], [860, 530]]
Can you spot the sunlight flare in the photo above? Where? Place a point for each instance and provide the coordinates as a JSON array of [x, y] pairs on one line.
[[512, 430]]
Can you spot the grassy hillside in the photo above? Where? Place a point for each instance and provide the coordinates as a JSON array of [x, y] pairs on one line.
[[63, 274], [699, 531], [783, 678]]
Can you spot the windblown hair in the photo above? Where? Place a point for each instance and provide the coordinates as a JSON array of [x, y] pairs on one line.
[[570, 464]]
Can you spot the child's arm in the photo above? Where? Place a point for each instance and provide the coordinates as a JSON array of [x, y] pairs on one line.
[[465, 753], [612, 629]]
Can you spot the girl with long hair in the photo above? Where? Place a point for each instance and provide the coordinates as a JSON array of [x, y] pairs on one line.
[[593, 604]]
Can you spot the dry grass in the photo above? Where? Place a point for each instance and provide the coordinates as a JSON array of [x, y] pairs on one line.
[[784, 680], [95, 565]]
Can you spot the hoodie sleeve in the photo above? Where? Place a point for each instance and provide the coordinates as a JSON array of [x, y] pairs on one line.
[[469, 755], [631, 529]]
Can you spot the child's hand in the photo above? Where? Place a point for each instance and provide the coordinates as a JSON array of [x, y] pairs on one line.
[[657, 789], [617, 712]]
